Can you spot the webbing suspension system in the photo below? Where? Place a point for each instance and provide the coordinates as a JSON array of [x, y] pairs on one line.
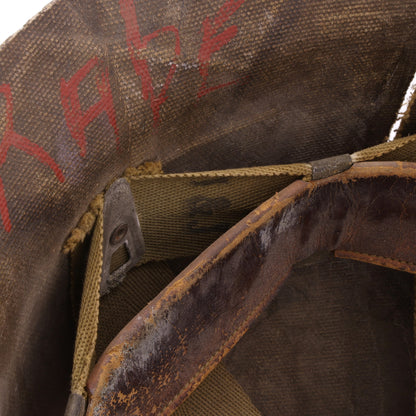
[[122, 229], [118, 228], [229, 285]]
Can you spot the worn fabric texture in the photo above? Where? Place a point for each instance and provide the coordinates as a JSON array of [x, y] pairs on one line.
[[91, 87]]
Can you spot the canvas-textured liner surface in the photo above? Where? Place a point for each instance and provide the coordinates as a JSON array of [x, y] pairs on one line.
[[92, 87]]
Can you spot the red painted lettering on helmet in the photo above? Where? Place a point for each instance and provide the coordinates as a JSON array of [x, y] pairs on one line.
[[77, 120], [136, 45], [212, 42], [13, 139]]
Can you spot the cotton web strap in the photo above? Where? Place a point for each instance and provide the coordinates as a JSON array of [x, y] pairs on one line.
[[180, 215]]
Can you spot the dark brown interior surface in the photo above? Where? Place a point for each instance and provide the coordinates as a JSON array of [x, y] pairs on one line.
[[309, 79], [336, 340], [141, 285]]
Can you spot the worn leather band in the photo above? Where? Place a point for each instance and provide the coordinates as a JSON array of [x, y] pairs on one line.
[[162, 355]]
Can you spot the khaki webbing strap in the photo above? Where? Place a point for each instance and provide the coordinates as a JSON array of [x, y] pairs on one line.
[[218, 394], [88, 316], [403, 149], [212, 199], [181, 214]]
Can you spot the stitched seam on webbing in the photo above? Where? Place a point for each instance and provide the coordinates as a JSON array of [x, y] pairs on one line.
[[220, 350], [383, 149], [297, 169], [379, 257]]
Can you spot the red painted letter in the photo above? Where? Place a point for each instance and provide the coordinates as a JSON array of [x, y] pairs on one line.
[[77, 120], [136, 44], [212, 42], [12, 139]]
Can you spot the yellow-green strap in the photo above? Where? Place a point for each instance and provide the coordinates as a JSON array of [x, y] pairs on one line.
[[219, 394]]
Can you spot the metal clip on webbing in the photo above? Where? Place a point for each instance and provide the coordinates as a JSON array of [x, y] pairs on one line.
[[121, 230], [324, 168]]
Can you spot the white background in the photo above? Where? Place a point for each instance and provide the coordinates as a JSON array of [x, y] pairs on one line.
[[15, 13]]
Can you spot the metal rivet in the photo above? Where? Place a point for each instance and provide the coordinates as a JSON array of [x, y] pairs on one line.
[[118, 234]]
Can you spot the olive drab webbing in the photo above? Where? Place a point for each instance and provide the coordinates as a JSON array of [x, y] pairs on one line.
[[217, 199]]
